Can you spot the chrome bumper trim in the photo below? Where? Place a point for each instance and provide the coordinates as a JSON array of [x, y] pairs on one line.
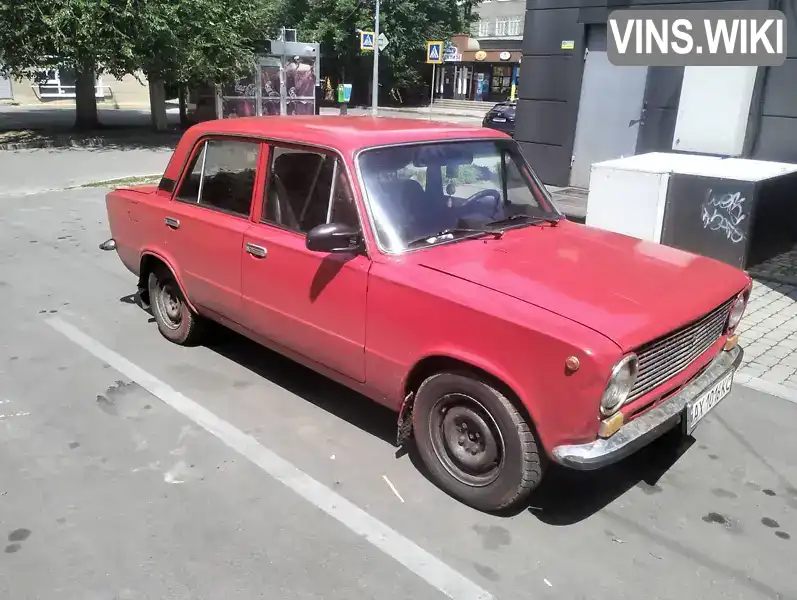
[[641, 431]]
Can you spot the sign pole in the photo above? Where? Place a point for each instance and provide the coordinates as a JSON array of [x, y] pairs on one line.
[[434, 65], [375, 83], [434, 55]]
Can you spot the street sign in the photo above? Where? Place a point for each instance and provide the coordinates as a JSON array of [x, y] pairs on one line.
[[367, 40], [382, 41], [451, 53], [434, 52]]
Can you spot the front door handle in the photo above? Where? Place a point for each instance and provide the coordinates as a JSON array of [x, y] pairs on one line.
[[256, 251], [171, 222]]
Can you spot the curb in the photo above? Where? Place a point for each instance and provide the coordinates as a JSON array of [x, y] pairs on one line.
[[110, 182], [432, 113], [76, 186], [89, 142], [422, 111], [768, 387]]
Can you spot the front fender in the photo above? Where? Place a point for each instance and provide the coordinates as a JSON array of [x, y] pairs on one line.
[[473, 359]]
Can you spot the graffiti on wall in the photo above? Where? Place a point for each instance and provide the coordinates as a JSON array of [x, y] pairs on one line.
[[725, 213]]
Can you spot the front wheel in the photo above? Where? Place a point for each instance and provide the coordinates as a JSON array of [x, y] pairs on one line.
[[475, 443], [176, 321]]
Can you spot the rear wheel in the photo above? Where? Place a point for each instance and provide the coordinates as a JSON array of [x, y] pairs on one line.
[[176, 321], [476, 444]]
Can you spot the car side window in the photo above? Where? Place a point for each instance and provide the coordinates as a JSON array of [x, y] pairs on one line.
[[307, 189], [222, 176], [343, 209], [189, 189]]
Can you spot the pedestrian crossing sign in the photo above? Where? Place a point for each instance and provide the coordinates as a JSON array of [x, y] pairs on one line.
[[366, 40], [434, 53]]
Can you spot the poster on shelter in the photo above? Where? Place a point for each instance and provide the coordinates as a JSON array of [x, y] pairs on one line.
[[300, 79], [238, 99], [270, 86]]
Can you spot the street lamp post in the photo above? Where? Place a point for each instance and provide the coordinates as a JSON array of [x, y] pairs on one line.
[[375, 83]]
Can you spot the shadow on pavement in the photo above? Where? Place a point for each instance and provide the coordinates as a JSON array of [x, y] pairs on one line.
[[52, 127], [116, 138], [332, 397], [565, 497]]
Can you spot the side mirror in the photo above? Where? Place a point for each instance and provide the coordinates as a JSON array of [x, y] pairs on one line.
[[333, 237]]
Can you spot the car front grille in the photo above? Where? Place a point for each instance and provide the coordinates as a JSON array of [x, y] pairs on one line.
[[664, 358]]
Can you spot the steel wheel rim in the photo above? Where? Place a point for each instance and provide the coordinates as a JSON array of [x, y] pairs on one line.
[[170, 306], [466, 439]]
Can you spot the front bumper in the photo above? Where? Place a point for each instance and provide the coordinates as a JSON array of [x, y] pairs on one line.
[[641, 431]]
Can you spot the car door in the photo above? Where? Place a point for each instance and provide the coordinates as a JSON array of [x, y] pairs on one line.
[[207, 218], [312, 303]]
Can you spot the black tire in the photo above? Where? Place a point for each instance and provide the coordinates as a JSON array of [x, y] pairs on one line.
[[176, 321], [495, 463]]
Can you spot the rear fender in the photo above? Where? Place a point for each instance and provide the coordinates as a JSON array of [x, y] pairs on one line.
[[170, 263]]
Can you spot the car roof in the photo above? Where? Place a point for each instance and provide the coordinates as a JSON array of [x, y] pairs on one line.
[[346, 134]]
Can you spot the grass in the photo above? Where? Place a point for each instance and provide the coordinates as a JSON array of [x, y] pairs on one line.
[[19, 136], [123, 182]]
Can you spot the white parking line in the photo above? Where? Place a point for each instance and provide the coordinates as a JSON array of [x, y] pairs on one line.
[[425, 565]]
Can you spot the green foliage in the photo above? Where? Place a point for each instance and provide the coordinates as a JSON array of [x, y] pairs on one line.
[[408, 24], [193, 41], [68, 33], [178, 40], [200, 40]]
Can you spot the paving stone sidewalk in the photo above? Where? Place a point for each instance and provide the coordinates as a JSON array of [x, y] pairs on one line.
[[768, 333]]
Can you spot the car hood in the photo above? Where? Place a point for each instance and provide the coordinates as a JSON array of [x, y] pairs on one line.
[[629, 290]]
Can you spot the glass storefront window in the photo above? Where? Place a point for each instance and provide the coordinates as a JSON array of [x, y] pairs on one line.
[[501, 82]]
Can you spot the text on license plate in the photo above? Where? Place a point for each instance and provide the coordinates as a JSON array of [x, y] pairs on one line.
[[698, 408], [499, 120]]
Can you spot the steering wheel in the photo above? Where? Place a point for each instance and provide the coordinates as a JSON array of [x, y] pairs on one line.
[[490, 192]]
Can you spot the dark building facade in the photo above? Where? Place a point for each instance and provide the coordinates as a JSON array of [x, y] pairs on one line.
[[575, 108]]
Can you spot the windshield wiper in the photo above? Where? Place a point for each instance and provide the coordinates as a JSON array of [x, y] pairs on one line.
[[431, 239], [532, 220]]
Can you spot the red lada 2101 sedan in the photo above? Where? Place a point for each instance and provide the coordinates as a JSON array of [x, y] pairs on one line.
[[425, 266]]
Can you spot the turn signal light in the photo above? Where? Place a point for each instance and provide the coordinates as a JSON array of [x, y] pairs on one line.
[[611, 425], [731, 342]]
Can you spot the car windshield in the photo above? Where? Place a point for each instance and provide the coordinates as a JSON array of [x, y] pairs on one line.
[[424, 194]]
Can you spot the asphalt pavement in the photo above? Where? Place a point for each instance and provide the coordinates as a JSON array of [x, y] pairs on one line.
[[132, 468]]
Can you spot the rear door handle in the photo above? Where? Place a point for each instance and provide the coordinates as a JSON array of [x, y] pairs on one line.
[[256, 251], [173, 223]]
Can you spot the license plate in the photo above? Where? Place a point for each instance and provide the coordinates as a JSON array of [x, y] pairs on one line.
[[698, 408], [499, 120]]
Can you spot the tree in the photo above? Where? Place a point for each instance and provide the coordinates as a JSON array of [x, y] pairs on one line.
[[176, 41], [86, 36], [198, 41], [408, 24]]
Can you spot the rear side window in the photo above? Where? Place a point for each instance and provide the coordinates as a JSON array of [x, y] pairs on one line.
[[222, 176]]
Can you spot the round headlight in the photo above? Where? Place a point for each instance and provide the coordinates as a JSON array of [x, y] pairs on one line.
[[620, 383], [737, 310]]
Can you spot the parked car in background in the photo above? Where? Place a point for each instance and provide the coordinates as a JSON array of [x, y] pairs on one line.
[[502, 117], [426, 266]]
